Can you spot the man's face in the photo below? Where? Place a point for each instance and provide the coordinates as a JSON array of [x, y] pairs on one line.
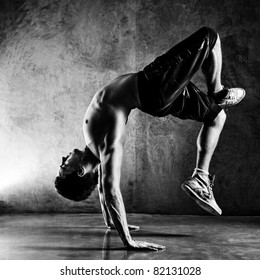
[[71, 163]]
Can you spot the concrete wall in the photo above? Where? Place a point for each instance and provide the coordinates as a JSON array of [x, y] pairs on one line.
[[54, 55]]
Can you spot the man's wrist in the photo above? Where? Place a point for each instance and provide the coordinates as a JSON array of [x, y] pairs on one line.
[[130, 242]]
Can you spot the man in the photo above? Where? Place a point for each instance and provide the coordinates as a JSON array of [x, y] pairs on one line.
[[162, 88]]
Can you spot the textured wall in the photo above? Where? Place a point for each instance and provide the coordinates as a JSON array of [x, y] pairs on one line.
[[54, 55]]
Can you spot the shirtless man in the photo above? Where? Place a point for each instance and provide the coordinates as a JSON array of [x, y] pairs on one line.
[[162, 88]]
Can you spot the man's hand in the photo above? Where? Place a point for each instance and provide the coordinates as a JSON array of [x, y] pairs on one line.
[[133, 227], [142, 245], [130, 227]]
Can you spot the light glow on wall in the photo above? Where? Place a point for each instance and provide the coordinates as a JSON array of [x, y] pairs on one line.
[[14, 174], [18, 164]]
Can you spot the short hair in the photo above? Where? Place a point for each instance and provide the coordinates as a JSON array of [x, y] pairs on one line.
[[75, 187]]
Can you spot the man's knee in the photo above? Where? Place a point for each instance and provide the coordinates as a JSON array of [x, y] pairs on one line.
[[211, 34], [220, 119], [209, 31], [218, 43]]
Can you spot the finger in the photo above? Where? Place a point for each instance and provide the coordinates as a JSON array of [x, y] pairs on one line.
[[155, 246], [161, 247], [133, 227], [158, 247]]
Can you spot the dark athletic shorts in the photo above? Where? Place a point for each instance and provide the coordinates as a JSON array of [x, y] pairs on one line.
[[164, 85]]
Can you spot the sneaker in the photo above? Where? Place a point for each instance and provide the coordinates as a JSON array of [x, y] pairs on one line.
[[232, 97], [199, 187]]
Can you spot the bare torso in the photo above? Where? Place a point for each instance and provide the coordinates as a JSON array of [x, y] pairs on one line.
[[109, 110]]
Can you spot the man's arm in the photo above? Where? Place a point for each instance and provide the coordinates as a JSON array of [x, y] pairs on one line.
[[107, 219], [111, 159]]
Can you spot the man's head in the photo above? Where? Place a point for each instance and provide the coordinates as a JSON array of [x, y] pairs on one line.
[[78, 175]]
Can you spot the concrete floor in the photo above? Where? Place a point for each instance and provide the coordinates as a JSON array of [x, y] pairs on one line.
[[83, 236]]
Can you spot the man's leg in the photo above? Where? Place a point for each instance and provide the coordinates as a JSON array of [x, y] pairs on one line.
[[211, 68], [207, 141], [199, 185], [176, 67]]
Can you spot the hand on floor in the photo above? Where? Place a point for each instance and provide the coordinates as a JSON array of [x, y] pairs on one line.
[[142, 245]]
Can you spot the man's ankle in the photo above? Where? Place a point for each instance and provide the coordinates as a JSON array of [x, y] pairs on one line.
[[200, 172], [219, 93]]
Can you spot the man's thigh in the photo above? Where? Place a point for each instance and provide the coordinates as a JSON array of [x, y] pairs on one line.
[[172, 71], [195, 105]]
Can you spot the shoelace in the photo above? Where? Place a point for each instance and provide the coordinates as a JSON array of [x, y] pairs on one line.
[[231, 94], [209, 183]]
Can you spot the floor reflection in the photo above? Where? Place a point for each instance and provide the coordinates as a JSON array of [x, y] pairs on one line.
[[84, 237]]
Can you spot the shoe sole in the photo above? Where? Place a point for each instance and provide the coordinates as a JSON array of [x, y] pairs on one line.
[[223, 106], [203, 204]]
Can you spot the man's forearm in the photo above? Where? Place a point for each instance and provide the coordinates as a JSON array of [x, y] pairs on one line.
[[104, 209], [116, 208], [111, 161]]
